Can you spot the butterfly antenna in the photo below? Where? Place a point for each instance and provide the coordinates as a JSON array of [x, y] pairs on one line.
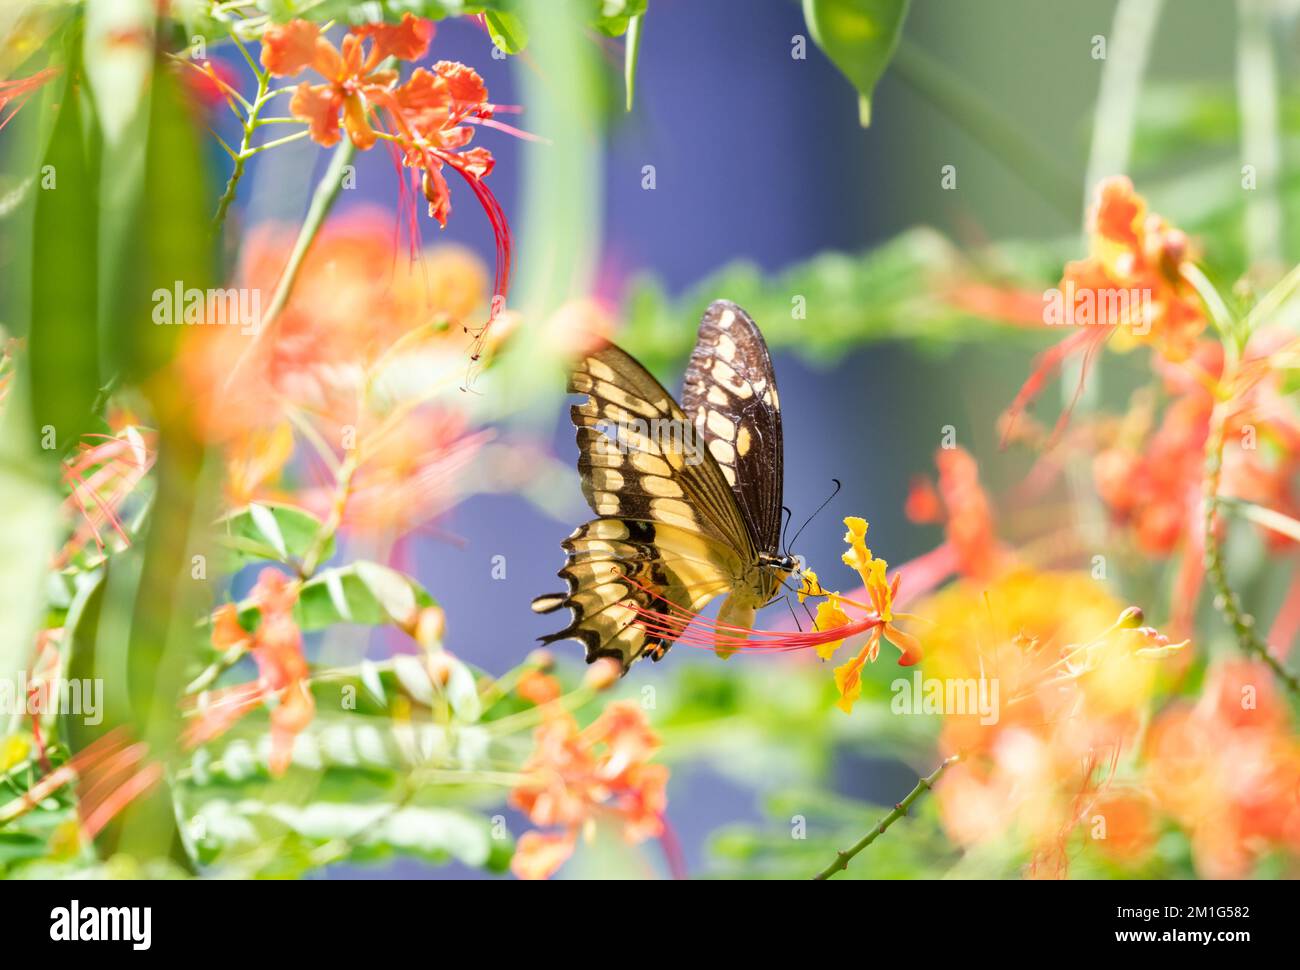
[[838, 486], [785, 509]]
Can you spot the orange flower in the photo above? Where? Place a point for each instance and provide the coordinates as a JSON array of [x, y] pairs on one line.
[[276, 648], [433, 110], [1227, 769], [357, 295], [1129, 287], [431, 115], [576, 776], [1064, 701], [1152, 481], [1122, 826], [962, 505], [878, 625], [353, 82]]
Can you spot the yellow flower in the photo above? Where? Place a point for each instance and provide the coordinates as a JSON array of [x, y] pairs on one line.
[[830, 616], [809, 585], [14, 751], [882, 596], [871, 569], [858, 555], [848, 676]]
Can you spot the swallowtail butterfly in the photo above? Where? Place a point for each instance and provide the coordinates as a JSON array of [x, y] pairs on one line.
[[687, 497]]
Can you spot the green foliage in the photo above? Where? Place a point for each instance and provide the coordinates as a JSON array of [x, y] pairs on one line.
[[63, 342], [507, 31], [272, 530], [834, 302], [805, 829], [506, 19]]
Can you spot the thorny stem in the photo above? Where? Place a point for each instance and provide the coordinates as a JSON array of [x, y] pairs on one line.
[[924, 785], [1226, 601]]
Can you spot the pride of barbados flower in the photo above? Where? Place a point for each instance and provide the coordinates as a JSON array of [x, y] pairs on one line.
[[830, 616], [430, 117], [1132, 251], [577, 777], [276, 647]]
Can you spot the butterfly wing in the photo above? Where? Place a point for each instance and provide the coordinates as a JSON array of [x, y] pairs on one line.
[[668, 533], [730, 394]]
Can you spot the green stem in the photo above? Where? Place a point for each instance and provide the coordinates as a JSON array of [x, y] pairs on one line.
[[924, 785], [342, 492], [1114, 118], [631, 54], [1260, 146], [988, 126], [1226, 600], [322, 200], [241, 157]]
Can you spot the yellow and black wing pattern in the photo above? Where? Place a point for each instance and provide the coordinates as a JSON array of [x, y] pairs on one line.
[[668, 530]]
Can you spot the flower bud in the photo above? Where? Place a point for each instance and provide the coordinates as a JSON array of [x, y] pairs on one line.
[[542, 659], [603, 674], [430, 624], [1131, 618], [438, 663]]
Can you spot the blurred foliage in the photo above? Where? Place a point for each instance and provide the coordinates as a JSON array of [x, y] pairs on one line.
[[823, 308]]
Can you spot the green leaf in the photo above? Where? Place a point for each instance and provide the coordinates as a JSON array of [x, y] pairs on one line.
[[364, 593], [349, 818], [374, 11], [614, 17], [462, 692], [272, 530], [1271, 519], [63, 342], [859, 36], [507, 31]]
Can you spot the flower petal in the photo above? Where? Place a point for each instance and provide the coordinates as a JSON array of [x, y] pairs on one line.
[[288, 48]]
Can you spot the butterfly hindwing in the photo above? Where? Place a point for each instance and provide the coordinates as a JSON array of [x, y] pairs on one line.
[[730, 395], [625, 577]]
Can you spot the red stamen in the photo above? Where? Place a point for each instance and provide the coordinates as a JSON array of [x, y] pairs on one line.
[[145, 779], [17, 91], [693, 629], [1046, 365]]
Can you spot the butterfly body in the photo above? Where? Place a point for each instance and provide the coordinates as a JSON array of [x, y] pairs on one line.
[[687, 496]]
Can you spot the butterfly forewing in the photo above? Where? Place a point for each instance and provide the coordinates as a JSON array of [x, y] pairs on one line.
[[730, 395], [669, 532]]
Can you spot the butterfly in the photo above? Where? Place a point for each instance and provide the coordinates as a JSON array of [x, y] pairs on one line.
[[687, 496]]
